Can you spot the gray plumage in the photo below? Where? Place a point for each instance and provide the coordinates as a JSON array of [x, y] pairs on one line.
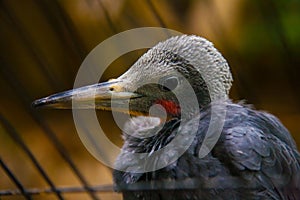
[[254, 158]]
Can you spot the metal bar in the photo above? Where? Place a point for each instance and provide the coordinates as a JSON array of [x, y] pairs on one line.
[[63, 28], [156, 14], [107, 17], [26, 100], [184, 184], [218, 27], [154, 185], [63, 25], [24, 36], [158, 17], [19, 185], [16, 137], [38, 191]]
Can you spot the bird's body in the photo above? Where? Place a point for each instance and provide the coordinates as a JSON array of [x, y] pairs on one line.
[[253, 157]]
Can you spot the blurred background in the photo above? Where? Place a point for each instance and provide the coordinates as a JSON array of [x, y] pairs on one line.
[[43, 43]]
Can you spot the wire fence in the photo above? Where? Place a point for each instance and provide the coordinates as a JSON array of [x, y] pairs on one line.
[[63, 25], [64, 19]]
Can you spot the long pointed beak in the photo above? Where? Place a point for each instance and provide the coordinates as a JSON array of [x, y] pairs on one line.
[[97, 96]]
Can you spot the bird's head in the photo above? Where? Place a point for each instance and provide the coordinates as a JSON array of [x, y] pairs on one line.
[[168, 74]]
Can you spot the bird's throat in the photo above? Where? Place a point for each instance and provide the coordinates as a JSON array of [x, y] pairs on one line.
[[172, 108]]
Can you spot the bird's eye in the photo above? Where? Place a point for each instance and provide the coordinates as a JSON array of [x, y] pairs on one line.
[[168, 83]]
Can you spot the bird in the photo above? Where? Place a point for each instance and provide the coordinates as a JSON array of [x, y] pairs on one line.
[[188, 79]]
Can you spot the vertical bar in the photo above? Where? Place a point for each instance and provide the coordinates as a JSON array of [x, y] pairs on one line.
[[16, 137], [15, 180], [107, 17], [156, 14], [17, 27], [25, 99]]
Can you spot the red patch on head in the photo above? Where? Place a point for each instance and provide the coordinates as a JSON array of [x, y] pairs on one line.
[[170, 106]]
